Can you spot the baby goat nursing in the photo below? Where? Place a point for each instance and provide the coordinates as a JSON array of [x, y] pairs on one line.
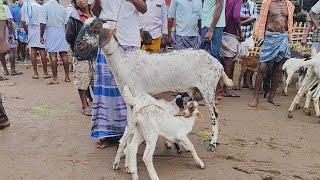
[[152, 118]]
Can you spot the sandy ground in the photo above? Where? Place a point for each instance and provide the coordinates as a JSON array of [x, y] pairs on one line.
[[50, 139]]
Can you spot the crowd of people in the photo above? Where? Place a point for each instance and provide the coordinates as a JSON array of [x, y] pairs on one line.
[[224, 28]]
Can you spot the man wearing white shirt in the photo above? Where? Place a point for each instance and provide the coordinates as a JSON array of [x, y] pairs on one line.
[[30, 13], [53, 20], [155, 21], [187, 14]]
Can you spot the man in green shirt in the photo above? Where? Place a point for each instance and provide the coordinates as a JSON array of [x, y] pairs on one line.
[[4, 121]]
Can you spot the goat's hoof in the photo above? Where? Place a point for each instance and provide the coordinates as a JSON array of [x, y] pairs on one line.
[[211, 147], [298, 106], [168, 146], [179, 151], [202, 166], [128, 170], [290, 115], [115, 166], [285, 94]]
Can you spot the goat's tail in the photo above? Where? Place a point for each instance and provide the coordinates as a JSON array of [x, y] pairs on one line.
[[226, 80], [128, 97]]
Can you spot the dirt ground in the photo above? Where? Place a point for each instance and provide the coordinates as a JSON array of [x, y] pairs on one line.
[[50, 139]]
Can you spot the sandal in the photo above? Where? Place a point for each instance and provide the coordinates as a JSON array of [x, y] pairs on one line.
[[35, 77], [16, 73], [2, 78], [47, 76], [86, 112], [232, 94], [102, 143], [52, 83]]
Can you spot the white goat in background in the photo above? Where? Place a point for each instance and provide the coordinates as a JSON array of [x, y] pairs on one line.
[[152, 74]]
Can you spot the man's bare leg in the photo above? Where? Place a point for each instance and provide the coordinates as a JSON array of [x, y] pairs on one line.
[[85, 105], [12, 58], [259, 79], [54, 66], [276, 75], [43, 57], [34, 63], [229, 68], [64, 58], [4, 64]]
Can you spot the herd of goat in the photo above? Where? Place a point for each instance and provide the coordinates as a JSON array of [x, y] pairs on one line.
[[140, 75]]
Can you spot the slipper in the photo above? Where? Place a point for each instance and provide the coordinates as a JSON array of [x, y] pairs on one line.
[[84, 112], [35, 77], [67, 80], [5, 74], [47, 77], [52, 83], [16, 73], [101, 144], [2, 78], [231, 95]]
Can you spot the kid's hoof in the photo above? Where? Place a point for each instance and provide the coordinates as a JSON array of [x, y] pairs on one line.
[[115, 166], [290, 115], [202, 166], [298, 106], [211, 147]]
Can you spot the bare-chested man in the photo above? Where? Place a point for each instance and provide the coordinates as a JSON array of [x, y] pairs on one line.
[[275, 28]]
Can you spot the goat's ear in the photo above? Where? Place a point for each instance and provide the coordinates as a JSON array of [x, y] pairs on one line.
[[105, 37]]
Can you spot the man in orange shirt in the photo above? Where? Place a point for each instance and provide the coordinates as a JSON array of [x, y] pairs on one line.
[[275, 28]]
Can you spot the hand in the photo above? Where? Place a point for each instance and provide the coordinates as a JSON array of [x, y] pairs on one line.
[[42, 40], [169, 41], [209, 36], [242, 37], [304, 40], [164, 41]]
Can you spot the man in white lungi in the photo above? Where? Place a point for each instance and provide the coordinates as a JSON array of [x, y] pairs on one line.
[[53, 19], [30, 13]]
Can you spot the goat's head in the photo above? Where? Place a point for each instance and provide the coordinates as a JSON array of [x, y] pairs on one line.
[[191, 109], [107, 40]]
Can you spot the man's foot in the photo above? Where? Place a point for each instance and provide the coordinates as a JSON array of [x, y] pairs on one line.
[[16, 73], [87, 111], [103, 143], [47, 76], [67, 79], [4, 124], [272, 101], [35, 77], [5, 73], [2, 78], [53, 82], [253, 103]]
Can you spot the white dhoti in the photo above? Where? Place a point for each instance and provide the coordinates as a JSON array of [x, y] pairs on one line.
[[34, 36], [55, 39]]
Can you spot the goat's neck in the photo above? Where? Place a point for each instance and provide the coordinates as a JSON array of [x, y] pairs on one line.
[[116, 63]]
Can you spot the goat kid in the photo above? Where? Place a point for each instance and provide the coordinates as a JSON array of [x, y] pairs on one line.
[[152, 118]]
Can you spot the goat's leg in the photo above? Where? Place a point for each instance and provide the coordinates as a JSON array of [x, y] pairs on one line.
[[243, 70], [187, 144], [307, 103], [148, 156], [133, 149], [286, 83], [209, 100], [125, 139]]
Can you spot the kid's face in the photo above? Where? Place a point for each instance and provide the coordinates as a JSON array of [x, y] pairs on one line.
[[40, 2], [96, 28], [82, 3]]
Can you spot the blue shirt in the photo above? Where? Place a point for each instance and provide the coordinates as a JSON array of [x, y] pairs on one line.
[[209, 8], [16, 15], [187, 13]]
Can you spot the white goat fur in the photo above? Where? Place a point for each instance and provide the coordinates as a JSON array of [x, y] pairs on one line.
[[152, 118], [152, 74], [312, 79], [291, 66]]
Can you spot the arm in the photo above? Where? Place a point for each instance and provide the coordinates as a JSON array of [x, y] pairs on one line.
[[236, 17], [306, 33], [140, 5], [216, 17], [25, 27], [96, 8], [313, 14], [42, 28], [164, 13], [171, 17]]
